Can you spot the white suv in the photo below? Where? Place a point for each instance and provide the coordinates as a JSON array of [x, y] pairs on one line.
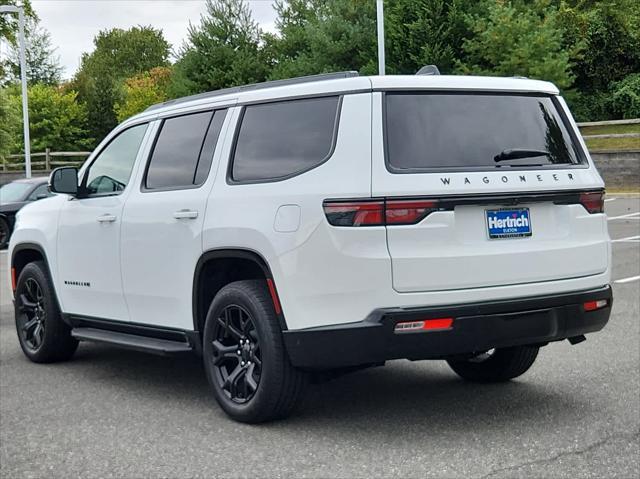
[[325, 223]]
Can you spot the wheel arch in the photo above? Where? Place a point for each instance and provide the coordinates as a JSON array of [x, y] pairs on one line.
[[219, 267], [25, 253]]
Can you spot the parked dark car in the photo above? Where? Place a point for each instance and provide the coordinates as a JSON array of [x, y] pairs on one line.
[[14, 196]]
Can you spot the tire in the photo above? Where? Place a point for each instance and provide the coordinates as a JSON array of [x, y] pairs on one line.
[[497, 366], [5, 233], [43, 336], [244, 355]]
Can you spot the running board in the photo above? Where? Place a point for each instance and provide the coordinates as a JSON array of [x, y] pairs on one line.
[[163, 347]]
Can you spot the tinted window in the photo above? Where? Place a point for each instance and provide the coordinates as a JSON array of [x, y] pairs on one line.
[[284, 138], [209, 146], [110, 171], [462, 131], [176, 152]]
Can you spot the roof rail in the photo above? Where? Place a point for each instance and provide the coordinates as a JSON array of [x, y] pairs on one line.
[[257, 86]]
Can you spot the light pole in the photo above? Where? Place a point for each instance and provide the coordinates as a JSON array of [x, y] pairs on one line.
[[380, 24], [23, 77]]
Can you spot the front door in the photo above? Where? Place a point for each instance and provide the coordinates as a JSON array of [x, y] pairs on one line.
[[89, 232]]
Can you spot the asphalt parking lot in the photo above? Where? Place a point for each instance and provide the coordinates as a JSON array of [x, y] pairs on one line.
[[114, 413]]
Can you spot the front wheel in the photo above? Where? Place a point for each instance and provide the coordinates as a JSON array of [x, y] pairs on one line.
[[244, 355], [43, 336], [496, 365], [5, 233]]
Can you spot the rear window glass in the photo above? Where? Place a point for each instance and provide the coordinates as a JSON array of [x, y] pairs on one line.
[[281, 139], [462, 131]]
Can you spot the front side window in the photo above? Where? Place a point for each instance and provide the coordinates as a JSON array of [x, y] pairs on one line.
[[110, 171], [281, 139], [466, 131]]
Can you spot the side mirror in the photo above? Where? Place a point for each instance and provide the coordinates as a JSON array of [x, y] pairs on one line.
[[64, 180]]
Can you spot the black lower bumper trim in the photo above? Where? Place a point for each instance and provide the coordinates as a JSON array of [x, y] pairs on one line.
[[477, 327]]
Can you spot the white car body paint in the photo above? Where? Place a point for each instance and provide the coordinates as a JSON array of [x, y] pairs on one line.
[[141, 266]]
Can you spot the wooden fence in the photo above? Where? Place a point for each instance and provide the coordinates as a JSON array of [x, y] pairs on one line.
[[50, 160], [634, 121]]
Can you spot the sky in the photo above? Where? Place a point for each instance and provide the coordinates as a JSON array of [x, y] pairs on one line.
[[74, 23]]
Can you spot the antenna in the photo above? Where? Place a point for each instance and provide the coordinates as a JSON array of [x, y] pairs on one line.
[[428, 70]]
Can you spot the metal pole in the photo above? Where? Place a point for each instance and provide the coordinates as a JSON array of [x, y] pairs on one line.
[[380, 22], [25, 101]]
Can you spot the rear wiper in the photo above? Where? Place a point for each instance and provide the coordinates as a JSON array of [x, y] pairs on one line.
[[518, 153]]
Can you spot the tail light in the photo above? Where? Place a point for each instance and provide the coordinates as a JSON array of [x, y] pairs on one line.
[[355, 213], [378, 212], [408, 212], [593, 201]]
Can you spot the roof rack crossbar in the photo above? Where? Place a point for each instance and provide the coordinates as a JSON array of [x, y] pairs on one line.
[[258, 86]]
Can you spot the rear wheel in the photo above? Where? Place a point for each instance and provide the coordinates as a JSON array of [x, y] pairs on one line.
[[43, 336], [496, 365], [244, 355]]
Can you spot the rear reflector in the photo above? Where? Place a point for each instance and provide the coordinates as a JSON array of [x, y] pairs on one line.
[[438, 324], [13, 279], [595, 305], [593, 201], [274, 296]]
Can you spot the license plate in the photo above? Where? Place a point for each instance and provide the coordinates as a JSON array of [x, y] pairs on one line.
[[508, 223]]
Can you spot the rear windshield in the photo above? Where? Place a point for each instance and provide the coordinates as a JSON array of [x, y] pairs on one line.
[[467, 131]]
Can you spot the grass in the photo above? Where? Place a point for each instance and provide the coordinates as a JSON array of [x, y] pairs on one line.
[[612, 143]]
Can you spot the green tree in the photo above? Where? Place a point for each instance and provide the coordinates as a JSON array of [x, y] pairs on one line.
[[515, 40], [56, 120], [223, 51], [9, 30], [625, 97], [118, 54], [43, 66], [427, 32], [9, 124], [142, 91], [320, 36]]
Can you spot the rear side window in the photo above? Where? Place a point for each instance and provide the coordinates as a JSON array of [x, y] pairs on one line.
[[466, 131], [183, 152], [279, 140]]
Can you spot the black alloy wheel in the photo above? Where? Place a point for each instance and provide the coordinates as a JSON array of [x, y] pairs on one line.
[[32, 315], [244, 355], [236, 354], [5, 233], [44, 337]]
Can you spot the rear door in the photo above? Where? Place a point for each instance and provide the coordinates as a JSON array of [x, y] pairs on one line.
[[484, 189]]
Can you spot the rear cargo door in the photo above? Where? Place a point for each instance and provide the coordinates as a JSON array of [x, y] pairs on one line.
[[484, 189]]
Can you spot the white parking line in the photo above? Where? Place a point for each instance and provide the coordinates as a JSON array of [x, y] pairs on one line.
[[610, 199], [628, 239], [628, 216], [627, 280]]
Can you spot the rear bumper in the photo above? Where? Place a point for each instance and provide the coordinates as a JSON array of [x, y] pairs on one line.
[[477, 327]]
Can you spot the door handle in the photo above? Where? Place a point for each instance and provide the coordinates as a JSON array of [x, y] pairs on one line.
[[107, 218], [185, 215]]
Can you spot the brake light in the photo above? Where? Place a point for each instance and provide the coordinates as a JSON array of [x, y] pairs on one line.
[[593, 201], [595, 305], [437, 324], [408, 212], [355, 213]]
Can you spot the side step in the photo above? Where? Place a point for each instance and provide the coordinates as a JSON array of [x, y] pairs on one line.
[[163, 347]]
